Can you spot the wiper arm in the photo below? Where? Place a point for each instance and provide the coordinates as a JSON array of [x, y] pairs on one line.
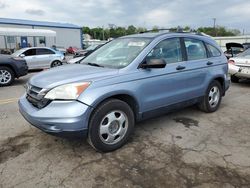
[[94, 64]]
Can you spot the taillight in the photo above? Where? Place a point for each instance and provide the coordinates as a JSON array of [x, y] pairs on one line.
[[231, 62]]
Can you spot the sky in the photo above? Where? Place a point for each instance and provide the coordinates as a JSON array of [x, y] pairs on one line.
[[233, 14]]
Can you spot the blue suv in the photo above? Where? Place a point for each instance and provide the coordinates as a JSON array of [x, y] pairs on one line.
[[125, 81]]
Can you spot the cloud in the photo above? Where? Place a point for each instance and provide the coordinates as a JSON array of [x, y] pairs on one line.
[[2, 5], [145, 13], [158, 17], [37, 12]]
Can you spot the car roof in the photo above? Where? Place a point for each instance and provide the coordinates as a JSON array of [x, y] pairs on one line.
[[28, 48]]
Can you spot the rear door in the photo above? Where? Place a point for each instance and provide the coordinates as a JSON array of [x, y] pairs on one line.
[[197, 66], [44, 57]]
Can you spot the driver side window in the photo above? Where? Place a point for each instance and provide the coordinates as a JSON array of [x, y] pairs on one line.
[[30, 52], [169, 50]]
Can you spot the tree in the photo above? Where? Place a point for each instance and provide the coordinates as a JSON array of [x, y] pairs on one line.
[[131, 30], [219, 31]]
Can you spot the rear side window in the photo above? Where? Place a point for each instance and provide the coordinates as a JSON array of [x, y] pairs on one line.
[[30, 52], [214, 52], [43, 51], [169, 50], [195, 49]]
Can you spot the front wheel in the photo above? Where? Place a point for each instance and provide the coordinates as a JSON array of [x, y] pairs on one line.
[[6, 76], [211, 100], [56, 63], [110, 125]]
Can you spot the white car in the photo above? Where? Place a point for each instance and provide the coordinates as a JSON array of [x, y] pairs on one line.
[[75, 60], [239, 66], [40, 57]]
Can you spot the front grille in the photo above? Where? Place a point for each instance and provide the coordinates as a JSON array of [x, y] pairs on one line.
[[35, 96]]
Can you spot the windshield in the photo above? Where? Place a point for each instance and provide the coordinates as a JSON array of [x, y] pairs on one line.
[[17, 53], [246, 53], [92, 47], [118, 53]]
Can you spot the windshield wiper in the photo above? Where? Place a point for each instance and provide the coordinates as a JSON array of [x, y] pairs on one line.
[[94, 64]]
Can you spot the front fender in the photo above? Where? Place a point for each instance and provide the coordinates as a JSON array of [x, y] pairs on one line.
[[94, 96]]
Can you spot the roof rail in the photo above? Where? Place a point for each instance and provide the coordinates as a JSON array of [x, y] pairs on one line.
[[176, 30]]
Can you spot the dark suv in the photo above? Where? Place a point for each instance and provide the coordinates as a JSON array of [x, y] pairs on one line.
[[11, 68]]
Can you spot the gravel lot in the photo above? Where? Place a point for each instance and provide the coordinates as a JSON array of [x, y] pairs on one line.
[[187, 148]]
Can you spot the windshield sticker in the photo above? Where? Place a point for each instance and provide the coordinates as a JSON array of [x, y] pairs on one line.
[[139, 44]]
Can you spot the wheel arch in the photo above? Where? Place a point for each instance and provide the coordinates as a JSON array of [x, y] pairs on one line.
[[126, 97], [221, 80], [10, 67]]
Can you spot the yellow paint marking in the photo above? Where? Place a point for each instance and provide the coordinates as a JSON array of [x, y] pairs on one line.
[[6, 101]]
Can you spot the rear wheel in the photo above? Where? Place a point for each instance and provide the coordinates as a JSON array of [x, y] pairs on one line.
[[234, 79], [110, 125], [56, 63], [211, 101], [6, 76]]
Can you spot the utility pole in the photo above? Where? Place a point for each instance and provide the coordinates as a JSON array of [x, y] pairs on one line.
[[102, 32], [215, 34]]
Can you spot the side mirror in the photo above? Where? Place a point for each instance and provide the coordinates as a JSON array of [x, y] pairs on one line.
[[22, 55], [154, 63]]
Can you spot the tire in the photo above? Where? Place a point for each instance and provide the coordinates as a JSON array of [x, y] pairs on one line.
[[234, 79], [56, 63], [212, 99], [110, 125], [7, 76]]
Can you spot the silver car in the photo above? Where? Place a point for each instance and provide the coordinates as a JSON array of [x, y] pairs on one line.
[[40, 57]]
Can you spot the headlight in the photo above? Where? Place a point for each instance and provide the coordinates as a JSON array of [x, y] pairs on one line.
[[67, 91]]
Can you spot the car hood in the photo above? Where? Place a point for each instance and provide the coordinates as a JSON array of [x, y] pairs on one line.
[[69, 74], [4, 58]]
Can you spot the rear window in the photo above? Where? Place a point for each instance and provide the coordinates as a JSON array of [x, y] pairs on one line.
[[214, 52], [43, 51], [195, 49]]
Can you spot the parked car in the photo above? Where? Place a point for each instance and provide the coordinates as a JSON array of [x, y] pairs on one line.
[[40, 57], [71, 50], [130, 79], [81, 55], [60, 49], [75, 60], [239, 66], [246, 45], [11, 68], [87, 51], [233, 49]]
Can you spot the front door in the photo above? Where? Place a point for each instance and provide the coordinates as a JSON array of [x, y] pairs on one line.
[[30, 57], [165, 86], [24, 42]]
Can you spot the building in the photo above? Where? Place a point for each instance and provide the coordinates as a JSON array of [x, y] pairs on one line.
[[237, 39], [16, 33]]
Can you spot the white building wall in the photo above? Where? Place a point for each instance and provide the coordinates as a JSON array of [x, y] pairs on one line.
[[2, 42], [65, 37]]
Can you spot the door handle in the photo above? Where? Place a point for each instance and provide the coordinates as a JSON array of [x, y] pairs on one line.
[[209, 63], [180, 67]]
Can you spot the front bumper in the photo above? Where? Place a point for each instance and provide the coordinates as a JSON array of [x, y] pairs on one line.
[[60, 118]]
